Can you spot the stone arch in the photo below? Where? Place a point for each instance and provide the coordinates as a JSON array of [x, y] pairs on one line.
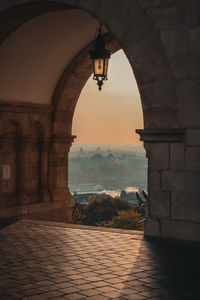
[[138, 38], [157, 44]]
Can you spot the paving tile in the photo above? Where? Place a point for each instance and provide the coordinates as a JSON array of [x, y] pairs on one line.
[[69, 290], [100, 283], [62, 262], [107, 289], [112, 295], [73, 296], [91, 292], [98, 297]]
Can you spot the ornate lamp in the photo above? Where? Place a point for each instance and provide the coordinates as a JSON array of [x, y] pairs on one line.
[[100, 56]]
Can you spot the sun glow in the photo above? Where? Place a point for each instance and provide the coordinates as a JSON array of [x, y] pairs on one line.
[[112, 115]]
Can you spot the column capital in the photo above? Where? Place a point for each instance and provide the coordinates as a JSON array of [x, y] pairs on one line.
[[161, 134], [62, 141]]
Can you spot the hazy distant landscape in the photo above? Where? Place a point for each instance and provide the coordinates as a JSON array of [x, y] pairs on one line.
[[107, 167]]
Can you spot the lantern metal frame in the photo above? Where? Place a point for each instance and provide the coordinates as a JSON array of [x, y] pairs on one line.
[[100, 57]]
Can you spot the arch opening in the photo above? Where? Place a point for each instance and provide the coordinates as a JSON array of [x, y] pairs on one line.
[[107, 159]]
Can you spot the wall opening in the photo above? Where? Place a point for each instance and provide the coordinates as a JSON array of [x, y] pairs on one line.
[[107, 158]]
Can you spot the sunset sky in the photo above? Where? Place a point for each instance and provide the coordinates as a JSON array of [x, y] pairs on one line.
[[112, 115]]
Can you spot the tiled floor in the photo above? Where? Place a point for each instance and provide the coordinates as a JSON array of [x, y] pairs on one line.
[[41, 260]]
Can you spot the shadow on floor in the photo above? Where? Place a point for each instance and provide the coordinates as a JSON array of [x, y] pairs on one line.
[[4, 222], [167, 270]]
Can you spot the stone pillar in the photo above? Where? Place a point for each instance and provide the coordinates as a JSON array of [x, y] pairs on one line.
[[173, 183], [21, 170], [45, 196], [58, 174]]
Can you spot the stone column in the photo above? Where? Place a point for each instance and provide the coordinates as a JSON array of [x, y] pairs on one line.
[[21, 170], [58, 173], [174, 189], [45, 196]]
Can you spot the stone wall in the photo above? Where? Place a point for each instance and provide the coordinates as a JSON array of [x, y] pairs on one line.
[[173, 184], [33, 165]]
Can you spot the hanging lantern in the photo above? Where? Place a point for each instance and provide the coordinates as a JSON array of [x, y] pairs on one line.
[[100, 56]]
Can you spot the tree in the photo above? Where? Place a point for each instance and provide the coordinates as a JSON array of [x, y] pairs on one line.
[[102, 210]]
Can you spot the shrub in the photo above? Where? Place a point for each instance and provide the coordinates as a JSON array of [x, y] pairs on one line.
[[101, 210], [78, 214], [129, 219]]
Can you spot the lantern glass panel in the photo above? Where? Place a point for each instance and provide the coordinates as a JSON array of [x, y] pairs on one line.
[[99, 67], [106, 67]]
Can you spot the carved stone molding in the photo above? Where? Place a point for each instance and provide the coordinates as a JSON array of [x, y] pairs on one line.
[[161, 135], [20, 107]]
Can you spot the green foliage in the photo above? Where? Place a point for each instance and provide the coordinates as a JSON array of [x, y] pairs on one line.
[[100, 210], [78, 214], [129, 219], [108, 212]]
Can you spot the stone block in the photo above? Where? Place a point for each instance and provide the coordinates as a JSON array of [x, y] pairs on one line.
[[192, 64], [185, 206], [155, 118], [195, 39], [13, 211], [193, 137], [190, 109], [175, 181], [152, 227], [149, 3], [167, 16], [181, 230], [34, 156], [179, 66], [158, 154], [192, 159], [188, 95], [159, 204], [157, 93], [154, 179], [177, 156], [193, 13], [174, 41], [28, 184], [4, 186]]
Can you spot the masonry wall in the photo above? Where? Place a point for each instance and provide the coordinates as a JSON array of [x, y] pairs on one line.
[[26, 150]]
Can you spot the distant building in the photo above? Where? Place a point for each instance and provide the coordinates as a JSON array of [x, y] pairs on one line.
[[98, 150], [81, 153], [129, 196]]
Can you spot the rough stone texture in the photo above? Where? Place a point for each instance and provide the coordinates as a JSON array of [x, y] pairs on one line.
[[193, 137], [152, 227], [24, 146], [158, 154], [185, 206], [181, 181], [154, 179], [192, 158], [159, 205], [180, 230], [177, 156]]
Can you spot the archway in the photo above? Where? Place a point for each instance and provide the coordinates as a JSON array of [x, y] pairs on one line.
[[52, 103], [105, 160]]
